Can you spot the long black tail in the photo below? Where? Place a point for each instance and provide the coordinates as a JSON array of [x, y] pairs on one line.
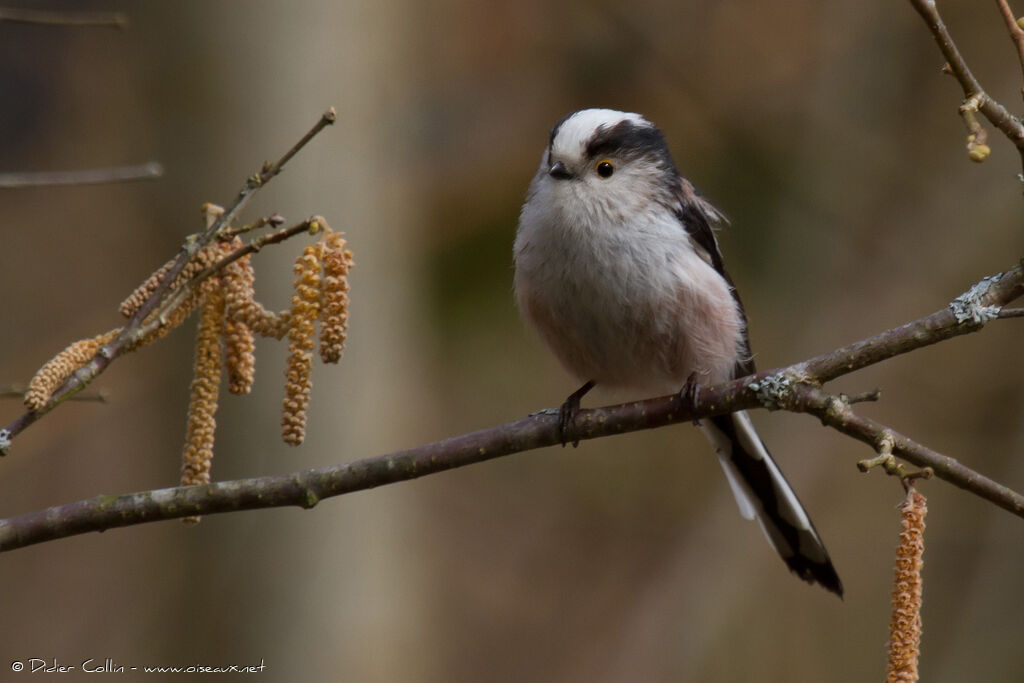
[[762, 492]]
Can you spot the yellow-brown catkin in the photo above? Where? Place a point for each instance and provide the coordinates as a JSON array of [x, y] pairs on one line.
[[242, 306], [135, 300], [239, 347], [301, 336], [58, 369], [170, 321], [905, 625], [202, 260], [239, 357], [337, 261], [198, 451]]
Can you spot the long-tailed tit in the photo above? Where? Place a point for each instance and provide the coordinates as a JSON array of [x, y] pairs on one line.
[[618, 268]]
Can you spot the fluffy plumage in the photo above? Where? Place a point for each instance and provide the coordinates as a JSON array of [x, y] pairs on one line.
[[618, 269]]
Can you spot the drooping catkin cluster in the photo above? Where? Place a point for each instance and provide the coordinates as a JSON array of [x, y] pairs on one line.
[[230, 318], [242, 305], [321, 293], [321, 285], [905, 624]]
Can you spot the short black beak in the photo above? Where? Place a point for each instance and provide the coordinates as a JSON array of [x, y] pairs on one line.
[[558, 170]]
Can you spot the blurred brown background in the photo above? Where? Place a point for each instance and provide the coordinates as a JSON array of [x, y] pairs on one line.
[[824, 130]]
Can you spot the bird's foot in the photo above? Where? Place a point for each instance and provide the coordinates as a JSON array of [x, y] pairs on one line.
[[567, 415], [688, 394]]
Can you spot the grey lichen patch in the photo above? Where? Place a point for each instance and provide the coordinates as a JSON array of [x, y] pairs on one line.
[[772, 391], [968, 308]]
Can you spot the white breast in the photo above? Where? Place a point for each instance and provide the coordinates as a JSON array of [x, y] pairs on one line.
[[628, 305]]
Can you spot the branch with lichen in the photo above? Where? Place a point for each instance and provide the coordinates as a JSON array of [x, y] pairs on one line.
[[795, 388]]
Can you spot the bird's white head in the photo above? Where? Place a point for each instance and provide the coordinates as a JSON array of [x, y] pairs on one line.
[[610, 162]]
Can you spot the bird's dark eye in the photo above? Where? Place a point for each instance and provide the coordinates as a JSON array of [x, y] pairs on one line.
[[605, 168]]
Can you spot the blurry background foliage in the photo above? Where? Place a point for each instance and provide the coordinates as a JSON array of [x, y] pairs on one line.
[[824, 130]]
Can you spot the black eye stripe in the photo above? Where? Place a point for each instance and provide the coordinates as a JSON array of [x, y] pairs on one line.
[[627, 140]]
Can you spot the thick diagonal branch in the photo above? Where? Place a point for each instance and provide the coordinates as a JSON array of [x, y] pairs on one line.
[[795, 388]]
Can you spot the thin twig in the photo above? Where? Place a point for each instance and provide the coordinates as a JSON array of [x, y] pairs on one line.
[[957, 65], [1016, 32], [996, 113], [863, 397], [56, 18], [276, 237], [93, 176], [831, 412], [18, 391], [132, 332], [274, 220]]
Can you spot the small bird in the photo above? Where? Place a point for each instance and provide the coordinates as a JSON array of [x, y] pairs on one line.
[[618, 269]]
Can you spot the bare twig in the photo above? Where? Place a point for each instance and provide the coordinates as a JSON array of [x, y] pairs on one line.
[[796, 388], [1011, 313], [274, 220], [93, 176], [1016, 32], [18, 391], [134, 331], [864, 429], [887, 461], [996, 113], [863, 397], [63, 18]]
